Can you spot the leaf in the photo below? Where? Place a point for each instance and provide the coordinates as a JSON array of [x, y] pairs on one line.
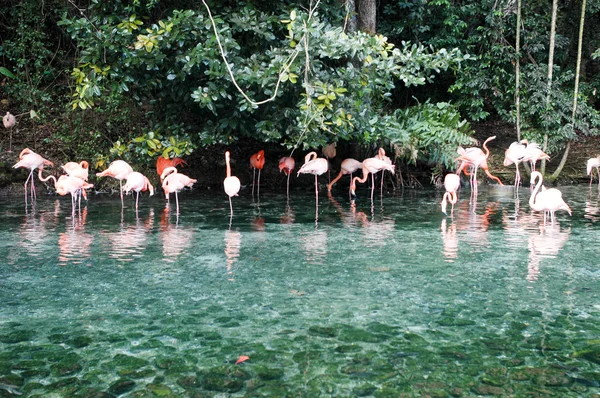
[[166, 153], [33, 114], [6, 72]]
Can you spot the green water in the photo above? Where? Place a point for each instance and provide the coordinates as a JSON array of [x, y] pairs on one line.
[[386, 298]]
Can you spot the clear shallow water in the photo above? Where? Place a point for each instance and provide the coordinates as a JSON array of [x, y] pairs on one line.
[[383, 298]]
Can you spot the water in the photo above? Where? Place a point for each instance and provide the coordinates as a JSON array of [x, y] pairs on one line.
[[384, 298]]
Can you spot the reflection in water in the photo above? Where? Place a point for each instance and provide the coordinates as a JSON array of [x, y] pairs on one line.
[[75, 243], [449, 240], [129, 242], [175, 239], [591, 206], [377, 234], [546, 244], [315, 246], [33, 231], [233, 242], [474, 226], [288, 216]]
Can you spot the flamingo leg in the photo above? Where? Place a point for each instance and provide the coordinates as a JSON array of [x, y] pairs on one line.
[[288, 185], [253, 176], [230, 207], [121, 191], [137, 196], [258, 188], [177, 201]]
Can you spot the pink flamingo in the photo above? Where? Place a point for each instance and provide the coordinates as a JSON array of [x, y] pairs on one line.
[[533, 153], [68, 185], [548, 200], [75, 169], [515, 153], [257, 161], [173, 182], [451, 183], [315, 166], [476, 158], [370, 166], [329, 152], [137, 182], [9, 121], [118, 169], [231, 184], [287, 165], [31, 160], [349, 166], [591, 163]]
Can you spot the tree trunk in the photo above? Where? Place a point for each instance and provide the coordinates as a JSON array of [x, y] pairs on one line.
[[556, 173], [367, 16], [550, 66], [518, 71], [350, 23]]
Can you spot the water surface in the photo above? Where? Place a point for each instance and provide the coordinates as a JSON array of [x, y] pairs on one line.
[[368, 298]]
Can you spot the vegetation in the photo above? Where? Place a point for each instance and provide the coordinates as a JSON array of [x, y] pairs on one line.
[[109, 79]]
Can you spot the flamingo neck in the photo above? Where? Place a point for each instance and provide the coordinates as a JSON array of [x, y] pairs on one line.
[[228, 166], [532, 198]]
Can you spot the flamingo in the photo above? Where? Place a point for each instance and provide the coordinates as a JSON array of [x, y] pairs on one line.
[[349, 166], [476, 158], [329, 152], [591, 163], [451, 183], [257, 161], [533, 153], [548, 200], [75, 169], [231, 184], [118, 169], [381, 155], [137, 182], [80, 170], [68, 184], [515, 153], [315, 166], [31, 160], [162, 163], [372, 166], [9, 121], [172, 181], [287, 165]]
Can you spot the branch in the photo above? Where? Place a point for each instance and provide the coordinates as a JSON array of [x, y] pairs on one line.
[[285, 68]]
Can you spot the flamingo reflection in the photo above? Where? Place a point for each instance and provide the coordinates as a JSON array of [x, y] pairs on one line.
[[175, 239], [130, 241], [314, 245], [449, 240], [233, 242], [75, 243], [547, 244]]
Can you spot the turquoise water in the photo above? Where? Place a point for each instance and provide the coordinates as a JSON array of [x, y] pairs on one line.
[[380, 298]]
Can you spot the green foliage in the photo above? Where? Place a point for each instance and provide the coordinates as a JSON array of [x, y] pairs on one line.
[[430, 133]]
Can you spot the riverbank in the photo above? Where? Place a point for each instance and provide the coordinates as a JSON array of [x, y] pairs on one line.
[[208, 165]]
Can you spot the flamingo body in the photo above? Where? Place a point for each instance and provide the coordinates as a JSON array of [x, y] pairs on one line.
[[257, 161], [451, 184], [533, 153], [371, 166], [173, 182], [515, 153], [31, 161], [476, 158], [349, 166], [231, 184], [162, 163], [137, 182], [75, 169], [548, 200], [591, 164]]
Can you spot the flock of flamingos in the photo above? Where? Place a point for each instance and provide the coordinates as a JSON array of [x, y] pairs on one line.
[[75, 179]]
